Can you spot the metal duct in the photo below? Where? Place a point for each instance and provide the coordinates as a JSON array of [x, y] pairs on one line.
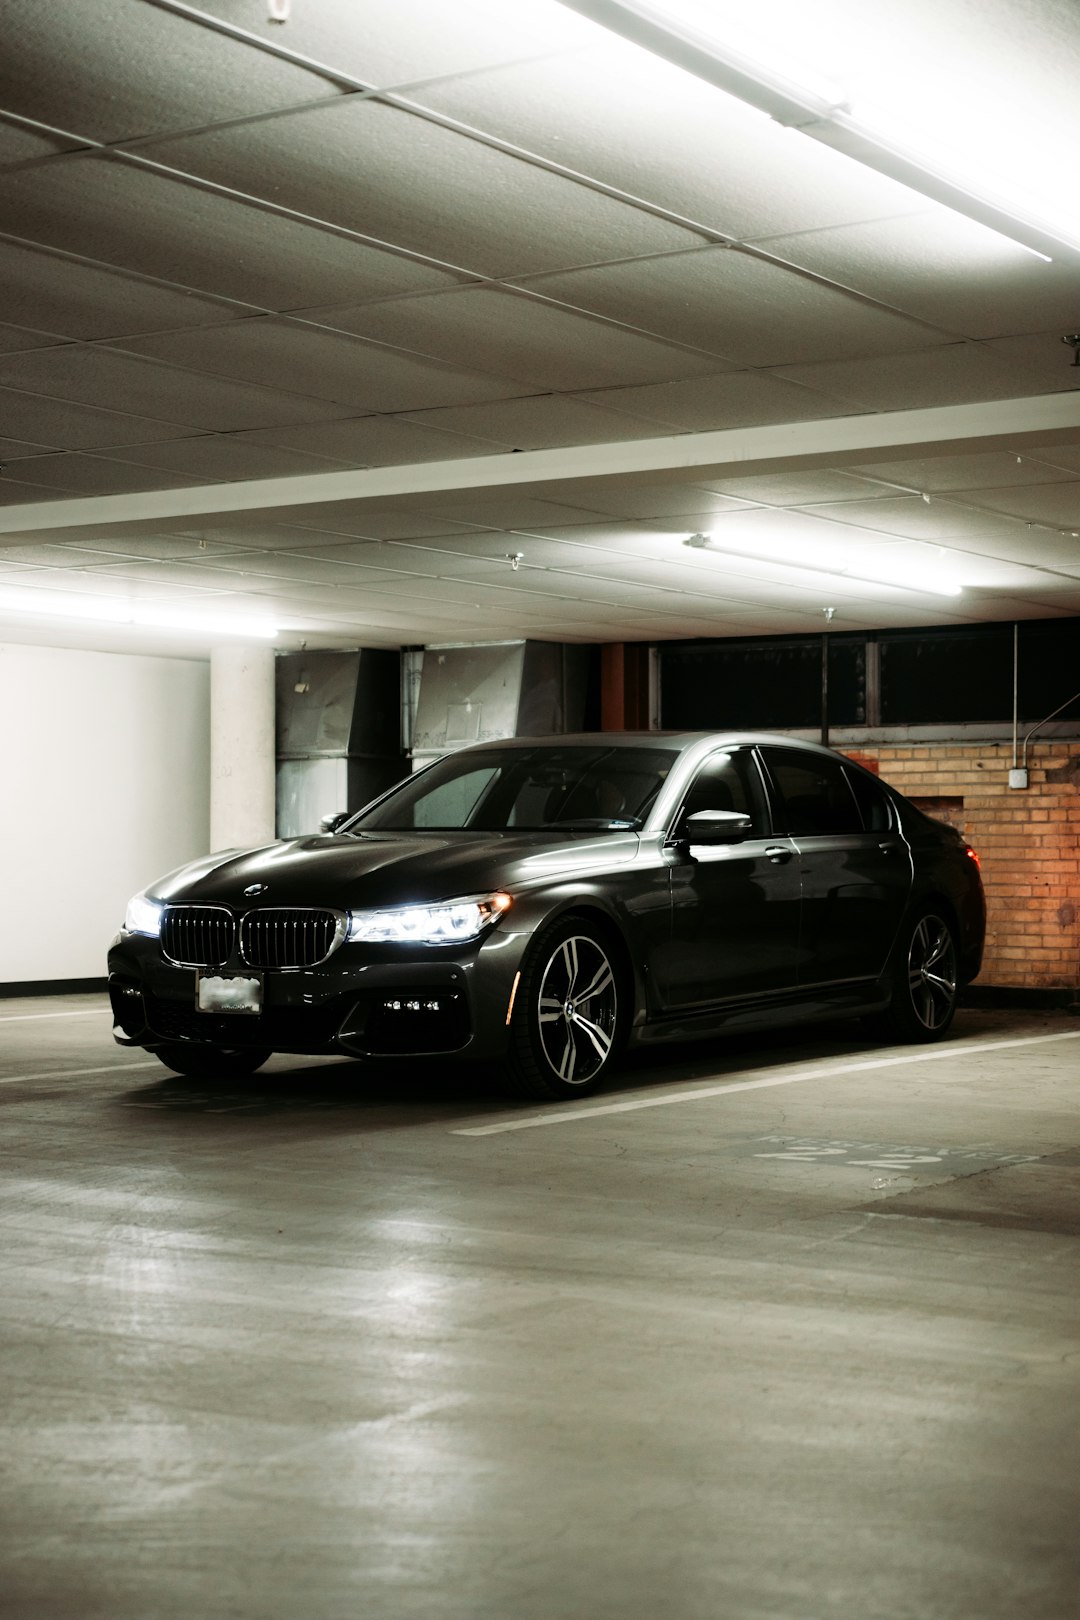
[[471, 694], [338, 734]]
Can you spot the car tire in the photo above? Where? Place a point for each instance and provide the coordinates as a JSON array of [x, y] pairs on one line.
[[925, 983], [570, 1013], [211, 1062]]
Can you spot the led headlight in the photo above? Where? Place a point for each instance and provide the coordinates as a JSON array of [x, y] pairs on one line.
[[442, 924], [143, 916]]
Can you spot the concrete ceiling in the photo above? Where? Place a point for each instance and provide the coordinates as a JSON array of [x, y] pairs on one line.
[[405, 322]]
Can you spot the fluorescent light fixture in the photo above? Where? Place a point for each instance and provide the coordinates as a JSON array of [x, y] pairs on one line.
[[112, 610], [926, 577], [693, 37]]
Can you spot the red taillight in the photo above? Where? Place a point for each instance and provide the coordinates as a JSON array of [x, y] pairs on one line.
[[973, 855]]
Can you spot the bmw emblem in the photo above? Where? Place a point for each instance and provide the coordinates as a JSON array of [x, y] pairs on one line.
[[255, 888]]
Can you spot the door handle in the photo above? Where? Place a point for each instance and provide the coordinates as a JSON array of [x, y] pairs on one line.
[[888, 848], [779, 853]]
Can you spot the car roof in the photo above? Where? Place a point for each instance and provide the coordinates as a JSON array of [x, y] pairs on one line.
[[675, 742]]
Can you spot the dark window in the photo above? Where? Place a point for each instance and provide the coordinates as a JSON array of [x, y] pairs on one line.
[[872, 800], [728, 782], [814, 794], [964, 674], [761, 685]]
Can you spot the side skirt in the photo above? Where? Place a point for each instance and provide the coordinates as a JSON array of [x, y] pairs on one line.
[[807, 1005]]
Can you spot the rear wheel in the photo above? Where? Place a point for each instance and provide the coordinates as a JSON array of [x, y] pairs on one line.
[[925, 987], [211, 1062], [568, 1015]]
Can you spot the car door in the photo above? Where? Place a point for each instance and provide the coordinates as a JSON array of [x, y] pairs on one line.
[[735, 907], [854, 865]]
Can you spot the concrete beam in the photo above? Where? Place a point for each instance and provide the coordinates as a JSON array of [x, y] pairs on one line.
[[692, 458]]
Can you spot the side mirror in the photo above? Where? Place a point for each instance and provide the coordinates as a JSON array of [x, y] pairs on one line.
[[330, 824], [716, 827]]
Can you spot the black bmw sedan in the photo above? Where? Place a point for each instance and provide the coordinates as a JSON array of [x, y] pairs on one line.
[[537, 903]]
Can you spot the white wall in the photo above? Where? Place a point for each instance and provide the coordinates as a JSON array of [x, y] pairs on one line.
[[104, 785]]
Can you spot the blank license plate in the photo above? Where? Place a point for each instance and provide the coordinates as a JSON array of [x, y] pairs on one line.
[[228, 995]]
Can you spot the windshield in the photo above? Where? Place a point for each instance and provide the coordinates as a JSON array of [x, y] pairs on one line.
[[593, 788]]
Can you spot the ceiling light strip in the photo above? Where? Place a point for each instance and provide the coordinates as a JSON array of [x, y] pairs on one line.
[[922, 586], [812, 114], [110, 610]]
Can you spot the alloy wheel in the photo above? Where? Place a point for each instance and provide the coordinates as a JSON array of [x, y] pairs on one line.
[[577, 1009], [932, 973]]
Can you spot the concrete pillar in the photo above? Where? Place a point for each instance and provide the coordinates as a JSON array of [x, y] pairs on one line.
[[242, 770]]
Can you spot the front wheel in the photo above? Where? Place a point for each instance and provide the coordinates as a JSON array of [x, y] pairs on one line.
[[568, 1014], [211, 1062], [925, 987]]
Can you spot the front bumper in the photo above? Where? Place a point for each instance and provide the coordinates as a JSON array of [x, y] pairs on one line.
[[376, 1002]]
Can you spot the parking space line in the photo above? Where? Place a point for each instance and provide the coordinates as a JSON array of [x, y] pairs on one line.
[[72, 1074], [728, 1088], [28, 1018]]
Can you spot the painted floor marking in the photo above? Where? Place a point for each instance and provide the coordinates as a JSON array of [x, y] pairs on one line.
[[728, 1087], [72, 1074], [28, 1018], [880, 1155]]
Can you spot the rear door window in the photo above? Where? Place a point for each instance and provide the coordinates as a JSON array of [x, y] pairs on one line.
[[814, 795], [872, 800]]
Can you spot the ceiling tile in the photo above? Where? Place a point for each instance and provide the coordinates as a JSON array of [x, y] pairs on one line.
[[911, 516], [373, 441], [509, 510], [659, 501], [734, 304], [92, 475], [16, 340], [41, 556], [97, 376], [994, 469], [1054, 457], [192, 577], [54, 294], [290, 566], [68, 426], [733, 399], [145, 222], [951, 374], [323, 365], [20, 145], [1030, 546], [944, 269], [414, 39], [796, 488], [15, 450], [96, 582], [221, 458], [95, 550], [542, 422], [423, 188], [540, 344], [747, 177], [20, 492], [1043, 503], [60, 66]]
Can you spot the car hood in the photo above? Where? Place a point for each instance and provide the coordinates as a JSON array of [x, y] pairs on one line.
[[384, 869]]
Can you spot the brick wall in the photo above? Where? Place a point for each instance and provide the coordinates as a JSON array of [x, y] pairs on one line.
[[1027, 839]]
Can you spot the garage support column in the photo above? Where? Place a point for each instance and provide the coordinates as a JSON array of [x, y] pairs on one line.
[[242, 767]]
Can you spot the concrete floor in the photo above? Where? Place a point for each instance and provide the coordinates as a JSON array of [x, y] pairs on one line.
[[772, 1331]]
